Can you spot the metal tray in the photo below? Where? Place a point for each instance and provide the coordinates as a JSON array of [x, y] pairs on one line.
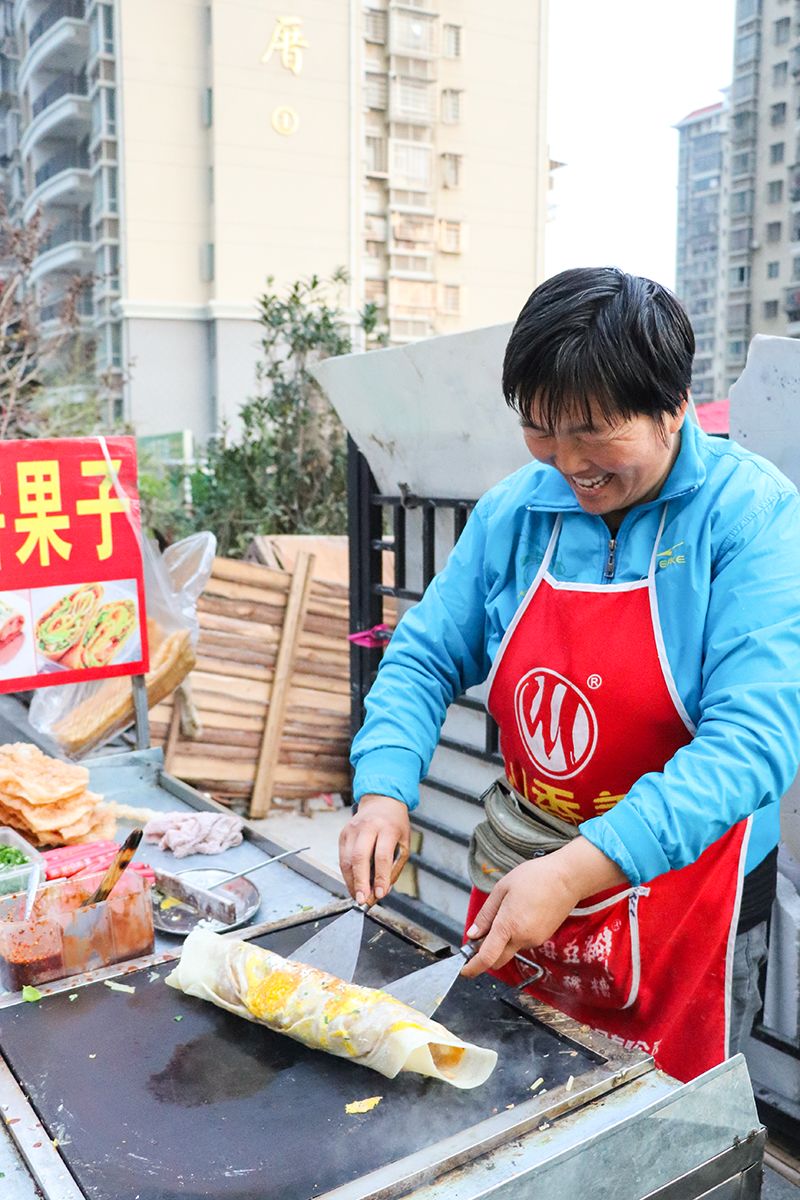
[[180, 920]]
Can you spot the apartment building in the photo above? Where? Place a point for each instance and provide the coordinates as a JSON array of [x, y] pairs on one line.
[[181, 153], [701, 274], [764, 235]]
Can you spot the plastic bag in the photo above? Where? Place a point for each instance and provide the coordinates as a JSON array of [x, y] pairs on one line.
[[80, 716]]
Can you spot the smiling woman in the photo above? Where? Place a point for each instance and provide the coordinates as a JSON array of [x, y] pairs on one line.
[[653, 712]]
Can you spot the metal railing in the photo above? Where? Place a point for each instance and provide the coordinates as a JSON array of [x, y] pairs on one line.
[[54, 12], [68, 84], [66, 231], [75, 156]]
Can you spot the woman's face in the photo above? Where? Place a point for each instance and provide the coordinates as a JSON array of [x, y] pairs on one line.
[[609, 466]]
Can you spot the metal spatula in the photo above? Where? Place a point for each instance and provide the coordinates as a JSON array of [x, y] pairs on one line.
[[426, 988], [335, 948]]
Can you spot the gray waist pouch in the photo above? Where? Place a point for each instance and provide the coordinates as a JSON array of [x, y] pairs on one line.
[[513, 832]]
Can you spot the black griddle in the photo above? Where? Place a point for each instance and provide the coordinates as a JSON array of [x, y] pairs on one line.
[[149, 1107]]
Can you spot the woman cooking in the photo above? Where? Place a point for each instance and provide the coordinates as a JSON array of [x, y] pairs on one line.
[[632, 598]]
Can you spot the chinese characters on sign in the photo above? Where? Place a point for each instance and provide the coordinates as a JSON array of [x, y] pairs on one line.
[[288, 43], [71, 582]]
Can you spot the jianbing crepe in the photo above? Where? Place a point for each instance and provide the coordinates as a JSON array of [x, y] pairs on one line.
[[325, 1013]]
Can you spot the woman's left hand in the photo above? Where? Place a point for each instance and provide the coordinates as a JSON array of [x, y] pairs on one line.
[[529, 904]]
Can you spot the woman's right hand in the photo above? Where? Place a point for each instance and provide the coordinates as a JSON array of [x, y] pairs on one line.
[[373, 847]]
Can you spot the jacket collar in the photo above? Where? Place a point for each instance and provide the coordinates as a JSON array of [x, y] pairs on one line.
[[552, 493]]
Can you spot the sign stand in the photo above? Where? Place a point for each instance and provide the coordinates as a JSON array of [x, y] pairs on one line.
[[141, 714]]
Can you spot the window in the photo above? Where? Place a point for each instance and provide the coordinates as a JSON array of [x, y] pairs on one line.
[[770, 309], [451, 106], [774, 229], [746, 49], [741, 202], [375, 90], [411, 33], [450, 237], [101, 32], [412, 99], [796, 267], [207, 107], [451, 41], [774, 191], [739, 239], [411, 166], [782, 30], [742, 162], [105, 191], [776, 153], [104, 112], [451, 299], [207, 262], [773, 270], [376, 155], [739, 276], [736, 348], [375, 25], [777, 114], [451, 170], [780, 74]]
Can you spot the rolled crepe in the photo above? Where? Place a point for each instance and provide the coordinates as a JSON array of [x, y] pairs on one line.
[[363, 1024], [104, 636], [62, 625]]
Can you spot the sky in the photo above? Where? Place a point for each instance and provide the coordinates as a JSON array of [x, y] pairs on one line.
[[621, 74]]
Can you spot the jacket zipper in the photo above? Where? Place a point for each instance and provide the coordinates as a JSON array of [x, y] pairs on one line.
[[608, 573]]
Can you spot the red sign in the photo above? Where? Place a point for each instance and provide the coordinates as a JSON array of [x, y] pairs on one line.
[[71, 584]]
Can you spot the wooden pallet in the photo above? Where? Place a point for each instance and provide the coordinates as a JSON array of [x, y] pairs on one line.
[[271, 689]]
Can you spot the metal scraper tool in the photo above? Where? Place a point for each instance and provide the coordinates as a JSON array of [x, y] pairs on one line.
[[209, 904], [426, 988], [335, 948]]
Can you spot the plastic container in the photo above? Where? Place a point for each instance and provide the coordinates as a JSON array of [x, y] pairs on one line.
[[15, 879], [63, 939]]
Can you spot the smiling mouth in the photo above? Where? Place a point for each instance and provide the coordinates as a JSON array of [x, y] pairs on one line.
[[590, 484]]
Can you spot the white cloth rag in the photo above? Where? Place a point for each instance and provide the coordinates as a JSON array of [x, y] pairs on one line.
[[194, 832]]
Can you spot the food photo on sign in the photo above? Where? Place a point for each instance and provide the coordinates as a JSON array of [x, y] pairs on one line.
[[93, 625], [17, 656]]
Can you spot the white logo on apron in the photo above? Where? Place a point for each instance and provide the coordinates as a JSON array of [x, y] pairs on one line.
[[556, 722]]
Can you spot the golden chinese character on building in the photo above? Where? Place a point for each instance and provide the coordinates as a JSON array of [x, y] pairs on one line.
[[288, 41], [104, 506], [39, 485]]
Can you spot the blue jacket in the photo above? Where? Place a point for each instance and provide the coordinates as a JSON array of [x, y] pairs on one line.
[[729, 601]]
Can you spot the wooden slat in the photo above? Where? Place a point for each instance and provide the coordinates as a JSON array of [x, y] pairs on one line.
[[296, 605]]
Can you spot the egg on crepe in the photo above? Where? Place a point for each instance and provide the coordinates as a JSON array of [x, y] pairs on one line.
[[363, 1024]]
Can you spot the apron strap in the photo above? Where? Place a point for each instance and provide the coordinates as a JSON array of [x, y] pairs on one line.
[[651, 573], [550, 551]]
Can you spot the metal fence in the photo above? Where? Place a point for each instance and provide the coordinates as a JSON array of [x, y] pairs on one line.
[[418, 532]]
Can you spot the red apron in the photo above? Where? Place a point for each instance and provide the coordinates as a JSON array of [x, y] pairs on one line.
[[585, 701]]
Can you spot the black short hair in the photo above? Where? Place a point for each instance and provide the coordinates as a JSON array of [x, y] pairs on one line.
[[597, 333]]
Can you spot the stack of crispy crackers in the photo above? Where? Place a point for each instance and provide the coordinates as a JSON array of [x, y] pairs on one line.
[[48, 801]]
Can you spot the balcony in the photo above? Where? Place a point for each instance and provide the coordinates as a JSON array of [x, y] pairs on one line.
[[75, 158], [54, 12], [794, 183], [791, 303], [68, 84], [61, 43], [66, 231], [55, 310]]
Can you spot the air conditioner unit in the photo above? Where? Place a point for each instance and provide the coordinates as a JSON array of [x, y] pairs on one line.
[[755, 245]]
